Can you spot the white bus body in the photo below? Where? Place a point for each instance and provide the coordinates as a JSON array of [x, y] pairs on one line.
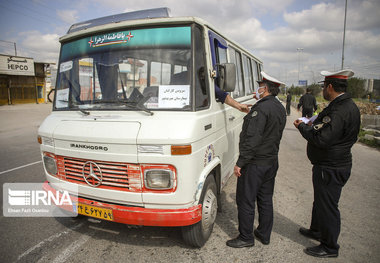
[[142, 148]]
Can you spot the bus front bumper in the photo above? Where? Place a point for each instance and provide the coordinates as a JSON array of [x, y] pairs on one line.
[[132, 215]]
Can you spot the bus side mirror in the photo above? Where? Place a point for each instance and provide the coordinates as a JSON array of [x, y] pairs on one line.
[[226, 77]]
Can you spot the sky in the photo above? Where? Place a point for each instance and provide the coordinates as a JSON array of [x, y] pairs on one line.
[[296, 39]]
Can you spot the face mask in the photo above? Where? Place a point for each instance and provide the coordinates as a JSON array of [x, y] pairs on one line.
[[258, 94]]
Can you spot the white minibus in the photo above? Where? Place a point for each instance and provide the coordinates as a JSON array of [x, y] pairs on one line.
[[136, 124]]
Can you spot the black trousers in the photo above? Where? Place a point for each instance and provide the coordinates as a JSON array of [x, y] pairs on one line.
[[307, 112], [288, 108], [255, 183], [328, 184]]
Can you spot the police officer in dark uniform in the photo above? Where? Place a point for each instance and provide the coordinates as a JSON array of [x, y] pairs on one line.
[[308, 104], [288, 102], [257, 165], [330, 139]]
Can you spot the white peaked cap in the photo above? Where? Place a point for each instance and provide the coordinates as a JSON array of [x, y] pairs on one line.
[[341, 74], [266, 77]]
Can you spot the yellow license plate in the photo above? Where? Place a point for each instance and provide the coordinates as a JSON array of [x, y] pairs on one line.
[[93, 211]]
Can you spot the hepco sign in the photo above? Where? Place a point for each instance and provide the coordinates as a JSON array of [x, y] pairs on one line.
[[11, 65]]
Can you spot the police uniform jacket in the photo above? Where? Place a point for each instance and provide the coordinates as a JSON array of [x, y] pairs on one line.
[[307, 101], [261, 133], [333, 133], [289, 98]]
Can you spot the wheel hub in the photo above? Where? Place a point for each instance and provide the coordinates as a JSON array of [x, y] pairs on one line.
[[209, 210]]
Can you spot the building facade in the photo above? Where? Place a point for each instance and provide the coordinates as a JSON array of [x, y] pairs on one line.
[[22, 80]]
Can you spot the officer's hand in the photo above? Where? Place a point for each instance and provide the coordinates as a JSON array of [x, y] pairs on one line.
[[237, 170], [244, 108], [297, 123]]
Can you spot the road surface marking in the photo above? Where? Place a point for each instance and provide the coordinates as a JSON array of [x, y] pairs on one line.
[[70, 250], [20, 167], [49, 239]]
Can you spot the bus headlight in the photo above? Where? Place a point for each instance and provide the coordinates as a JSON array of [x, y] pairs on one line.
[[157, 179], [50, 164]]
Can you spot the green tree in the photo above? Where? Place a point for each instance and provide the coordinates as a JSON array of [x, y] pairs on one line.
[[315, 89], [296, 90], [356, 87]]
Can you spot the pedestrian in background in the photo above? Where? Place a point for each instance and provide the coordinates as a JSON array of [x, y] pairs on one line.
[[288, 102], [308, 104], [330, 139], [257, 165]]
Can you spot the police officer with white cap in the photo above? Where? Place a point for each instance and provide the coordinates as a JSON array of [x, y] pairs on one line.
[[330, 139], [257, 165]]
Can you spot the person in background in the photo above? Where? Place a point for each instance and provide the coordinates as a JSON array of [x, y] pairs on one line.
[[308, 104], [288, 103], [329, 142], [257, 165]]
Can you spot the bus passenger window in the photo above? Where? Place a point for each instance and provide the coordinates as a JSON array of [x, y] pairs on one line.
[[235, 57], [247, 75], [179, 69], [255, 74], [222, 55], [133, 74], [160, 73]]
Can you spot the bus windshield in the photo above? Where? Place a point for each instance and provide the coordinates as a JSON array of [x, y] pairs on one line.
[[137, 69]]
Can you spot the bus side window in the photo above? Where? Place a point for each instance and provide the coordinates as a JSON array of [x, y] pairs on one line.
[[255, 73], [221, 54], [247, 75], [235, 57]]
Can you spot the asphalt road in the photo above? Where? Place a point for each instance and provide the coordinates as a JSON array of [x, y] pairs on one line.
[[89, 240]]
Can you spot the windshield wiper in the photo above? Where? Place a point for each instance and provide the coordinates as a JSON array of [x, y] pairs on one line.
[[84, 112], [139, 106]]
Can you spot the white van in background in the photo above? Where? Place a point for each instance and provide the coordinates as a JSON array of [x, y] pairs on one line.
[[136, 124]]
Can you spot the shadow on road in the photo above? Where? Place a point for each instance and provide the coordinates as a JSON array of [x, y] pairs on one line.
[[227, 220]]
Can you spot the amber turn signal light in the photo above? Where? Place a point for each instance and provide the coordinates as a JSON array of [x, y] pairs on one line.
[[181, 149]]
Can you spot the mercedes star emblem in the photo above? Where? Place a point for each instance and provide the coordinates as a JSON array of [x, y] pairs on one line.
[[92, 174]]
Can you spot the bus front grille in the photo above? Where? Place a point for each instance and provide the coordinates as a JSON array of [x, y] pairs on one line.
[[106, 175]]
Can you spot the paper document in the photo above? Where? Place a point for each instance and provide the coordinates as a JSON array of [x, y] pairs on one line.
[[307, 120], [173, 96]]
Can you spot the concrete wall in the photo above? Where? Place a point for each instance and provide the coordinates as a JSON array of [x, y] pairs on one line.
[[371, 121]]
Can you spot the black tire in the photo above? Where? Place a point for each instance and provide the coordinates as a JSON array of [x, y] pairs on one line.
[[196, 235]]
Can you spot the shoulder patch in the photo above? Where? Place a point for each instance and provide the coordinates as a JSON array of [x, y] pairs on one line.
[[326, 119], [254, 113]]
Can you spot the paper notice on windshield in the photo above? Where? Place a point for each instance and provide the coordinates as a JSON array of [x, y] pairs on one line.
[[66, 66], [307, 120], [173, 96], [62, 99]]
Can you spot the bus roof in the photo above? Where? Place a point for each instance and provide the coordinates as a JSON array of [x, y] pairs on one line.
[[157, 16], [141, 14]]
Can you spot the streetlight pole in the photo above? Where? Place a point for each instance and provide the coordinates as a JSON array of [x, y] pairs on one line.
[[344, 34], [299, 50]]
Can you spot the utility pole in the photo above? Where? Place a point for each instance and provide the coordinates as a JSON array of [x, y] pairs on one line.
[[299, 50], [344, 34], [14, 44]]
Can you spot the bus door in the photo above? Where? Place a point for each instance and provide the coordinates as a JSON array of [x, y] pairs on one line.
[[219, 55]]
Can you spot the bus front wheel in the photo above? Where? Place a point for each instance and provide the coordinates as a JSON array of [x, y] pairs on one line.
[[196, 235]]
